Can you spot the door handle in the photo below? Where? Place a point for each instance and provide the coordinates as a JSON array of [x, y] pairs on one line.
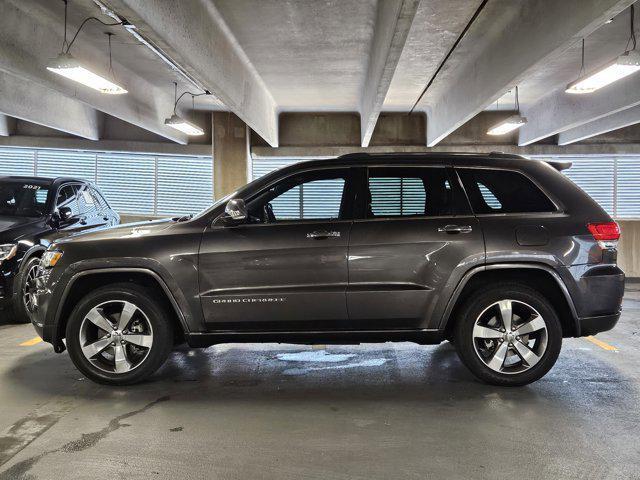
[[319, 235], [456, 229]]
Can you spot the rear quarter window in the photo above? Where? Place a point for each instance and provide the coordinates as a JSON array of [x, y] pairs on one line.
[[503, 191]]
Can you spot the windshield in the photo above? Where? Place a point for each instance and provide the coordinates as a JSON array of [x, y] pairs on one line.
[[23, 199]]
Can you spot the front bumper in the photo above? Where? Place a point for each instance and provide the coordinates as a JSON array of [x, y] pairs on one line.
[[7, 279]]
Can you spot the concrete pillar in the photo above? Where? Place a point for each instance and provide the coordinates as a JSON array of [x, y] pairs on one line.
[[230, 153]]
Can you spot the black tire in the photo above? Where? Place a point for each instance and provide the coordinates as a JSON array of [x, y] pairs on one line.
[[157, 316], [18, 312], [472, 309]]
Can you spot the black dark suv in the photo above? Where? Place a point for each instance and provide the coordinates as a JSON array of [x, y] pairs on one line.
[[34, 212], [502, 255]]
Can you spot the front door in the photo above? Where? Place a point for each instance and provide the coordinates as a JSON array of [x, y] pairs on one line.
[[286, 268], [415, 240]]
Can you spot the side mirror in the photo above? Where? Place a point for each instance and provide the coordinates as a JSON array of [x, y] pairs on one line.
[[64, 214], [236, 210]]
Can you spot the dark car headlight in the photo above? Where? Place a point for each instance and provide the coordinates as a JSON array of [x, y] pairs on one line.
[[8, 251]]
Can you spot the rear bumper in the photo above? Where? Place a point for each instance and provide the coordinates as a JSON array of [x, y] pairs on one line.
[[593, 325]]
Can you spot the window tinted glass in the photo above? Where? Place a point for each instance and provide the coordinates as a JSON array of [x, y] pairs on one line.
[[86, 202], [22, 199], [101, 203], [409, 191], [67, 198], [315, 195], [500, 191]]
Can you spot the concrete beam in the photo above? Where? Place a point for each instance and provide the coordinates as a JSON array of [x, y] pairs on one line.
[[7, 125], [560, 111], [393, 22], [531, 150], [209, 51], [31, 35], [61, 143], [625, 118], [508, 40], [20, 98]]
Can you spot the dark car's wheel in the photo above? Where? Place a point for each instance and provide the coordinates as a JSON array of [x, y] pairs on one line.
[[23, 300], [508, 334], [118, 335]]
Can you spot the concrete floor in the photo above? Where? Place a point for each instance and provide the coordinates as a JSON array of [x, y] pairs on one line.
[[292, 412]]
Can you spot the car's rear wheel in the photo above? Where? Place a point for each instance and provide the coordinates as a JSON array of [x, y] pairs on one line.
[[508, 335], [118, 335]]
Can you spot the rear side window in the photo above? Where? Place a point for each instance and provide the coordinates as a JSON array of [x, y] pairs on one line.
[[409, 191], [501, 191]]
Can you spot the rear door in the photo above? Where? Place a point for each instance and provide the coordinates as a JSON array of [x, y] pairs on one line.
[[415, 239]]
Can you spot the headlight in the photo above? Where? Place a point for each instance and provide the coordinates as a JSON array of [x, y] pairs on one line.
[[50, 258], [8, 251]]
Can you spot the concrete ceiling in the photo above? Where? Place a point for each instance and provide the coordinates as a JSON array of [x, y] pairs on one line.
[[261, 58]]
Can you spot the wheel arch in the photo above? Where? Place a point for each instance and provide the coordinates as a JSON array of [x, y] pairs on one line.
[[538, 276], [93, 278]]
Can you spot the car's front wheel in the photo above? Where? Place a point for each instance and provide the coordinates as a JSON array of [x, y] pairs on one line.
[[118, 335], [508, 334]]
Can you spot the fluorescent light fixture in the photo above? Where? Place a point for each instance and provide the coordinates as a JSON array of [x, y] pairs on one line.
[[508, 125], [624, 65], [69, 67], [184, 126]]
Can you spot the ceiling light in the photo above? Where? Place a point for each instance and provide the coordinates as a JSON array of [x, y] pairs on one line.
[[69, 67], [623, 66], [183, 125], [619, 68], [509, 125]]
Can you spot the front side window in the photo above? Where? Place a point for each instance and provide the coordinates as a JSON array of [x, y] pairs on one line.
[[23, 199], [67, 197], [409, 192], [503, 191], [318, 195]]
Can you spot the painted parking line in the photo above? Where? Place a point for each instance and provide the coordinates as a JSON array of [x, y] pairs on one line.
[[601, 344], [33, 341]]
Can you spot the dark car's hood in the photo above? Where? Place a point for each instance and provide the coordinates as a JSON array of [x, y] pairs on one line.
[[128, 230], [14, 228]]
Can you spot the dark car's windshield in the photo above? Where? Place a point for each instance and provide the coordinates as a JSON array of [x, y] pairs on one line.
[[23, 199]]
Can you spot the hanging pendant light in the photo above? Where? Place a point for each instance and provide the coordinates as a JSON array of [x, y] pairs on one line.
[[510, 123]]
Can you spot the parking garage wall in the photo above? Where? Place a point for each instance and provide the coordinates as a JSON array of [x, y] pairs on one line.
[[136, 185]]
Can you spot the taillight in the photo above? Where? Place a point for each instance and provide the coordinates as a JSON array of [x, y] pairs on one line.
[[605, 232]]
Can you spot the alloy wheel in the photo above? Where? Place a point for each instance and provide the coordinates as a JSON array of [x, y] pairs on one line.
[[116, 336], [510, 336]]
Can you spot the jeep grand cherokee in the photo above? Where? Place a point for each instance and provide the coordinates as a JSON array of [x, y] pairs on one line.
[[502, 255]]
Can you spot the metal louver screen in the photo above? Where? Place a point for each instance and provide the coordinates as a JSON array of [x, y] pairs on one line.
[[66, 163], [262, 166], [628, 187], [132, 183], [184, 185], [595, 176], [128, 182], [17, 161]]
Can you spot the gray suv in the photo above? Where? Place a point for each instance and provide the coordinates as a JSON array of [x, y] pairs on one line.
[[501, 255]]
